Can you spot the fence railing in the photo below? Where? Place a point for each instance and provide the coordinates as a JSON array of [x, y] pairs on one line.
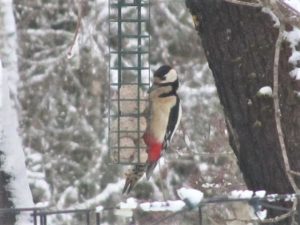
[[40, 215], [256, 200]]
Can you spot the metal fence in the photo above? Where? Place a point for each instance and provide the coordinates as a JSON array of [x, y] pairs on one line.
[[40, 216], [273, 202]]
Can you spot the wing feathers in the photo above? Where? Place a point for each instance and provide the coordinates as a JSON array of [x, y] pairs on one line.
[[174, 119]]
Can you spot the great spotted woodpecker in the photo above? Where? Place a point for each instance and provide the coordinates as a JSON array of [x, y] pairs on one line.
[[164, 115]]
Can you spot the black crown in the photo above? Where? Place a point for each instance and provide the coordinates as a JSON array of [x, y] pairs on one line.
[[161, 71]]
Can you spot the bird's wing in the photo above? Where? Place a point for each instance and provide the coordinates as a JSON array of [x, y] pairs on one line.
[[173, 122]]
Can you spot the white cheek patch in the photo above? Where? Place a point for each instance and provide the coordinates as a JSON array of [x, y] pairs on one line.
[[171, 76]]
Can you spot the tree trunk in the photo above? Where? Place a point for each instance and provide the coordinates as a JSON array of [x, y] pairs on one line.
[[14, 188], [5, 193], [239, 43]]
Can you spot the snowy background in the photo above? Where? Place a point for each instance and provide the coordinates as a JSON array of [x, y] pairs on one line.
[[60, 103]]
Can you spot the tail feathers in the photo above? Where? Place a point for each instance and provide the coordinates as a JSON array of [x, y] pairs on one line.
[[150, 168], [128, 186], [132, 176]]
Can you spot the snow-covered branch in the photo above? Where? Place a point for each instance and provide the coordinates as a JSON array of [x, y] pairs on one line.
[[277, 109]]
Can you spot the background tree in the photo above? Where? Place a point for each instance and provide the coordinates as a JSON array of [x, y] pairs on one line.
[[63, 115], [14, 188], [247, 55]]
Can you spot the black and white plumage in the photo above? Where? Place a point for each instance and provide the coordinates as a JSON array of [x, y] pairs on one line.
[[164, 114]]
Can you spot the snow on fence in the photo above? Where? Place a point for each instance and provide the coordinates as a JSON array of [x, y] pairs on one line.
[[190, 200], [40, 215]]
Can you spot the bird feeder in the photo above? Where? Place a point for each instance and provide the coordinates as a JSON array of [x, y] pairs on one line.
[[129, 79]]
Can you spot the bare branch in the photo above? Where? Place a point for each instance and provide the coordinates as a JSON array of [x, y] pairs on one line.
[[284, 12], [288, 7], [277, 108], [239, 2], [78, 25], [294, 173]]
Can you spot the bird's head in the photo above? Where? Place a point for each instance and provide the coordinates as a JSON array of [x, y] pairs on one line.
[[165, 74]]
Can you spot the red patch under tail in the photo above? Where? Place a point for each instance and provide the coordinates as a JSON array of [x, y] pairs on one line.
[[154, 148]]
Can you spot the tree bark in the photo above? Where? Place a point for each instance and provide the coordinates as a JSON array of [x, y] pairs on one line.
[[239, 43]]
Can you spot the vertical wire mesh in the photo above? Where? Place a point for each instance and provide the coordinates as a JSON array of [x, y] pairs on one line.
[[129, 78]]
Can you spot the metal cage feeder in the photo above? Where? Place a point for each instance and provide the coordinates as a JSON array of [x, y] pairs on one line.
[[129, 79]]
